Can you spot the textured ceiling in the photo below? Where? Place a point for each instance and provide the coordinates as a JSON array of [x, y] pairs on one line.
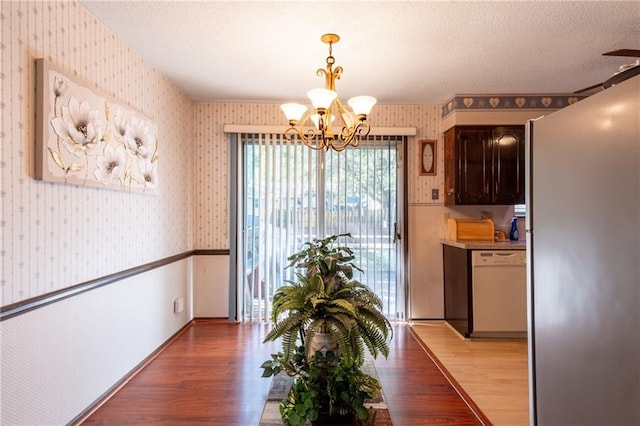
[[401, 52]]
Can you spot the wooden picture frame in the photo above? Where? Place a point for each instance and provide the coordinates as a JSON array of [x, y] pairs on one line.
[[427, 157]]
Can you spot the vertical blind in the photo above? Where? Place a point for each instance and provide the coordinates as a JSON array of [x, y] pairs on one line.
[[291, 194]]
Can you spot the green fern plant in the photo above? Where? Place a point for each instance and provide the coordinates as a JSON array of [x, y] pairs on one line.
[[326, 299], [325, 391]]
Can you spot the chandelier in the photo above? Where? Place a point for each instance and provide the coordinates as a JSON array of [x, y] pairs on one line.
[[315, 127]]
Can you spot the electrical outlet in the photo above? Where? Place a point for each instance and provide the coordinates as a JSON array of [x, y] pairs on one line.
[[178, 305], [435, 194], [486, 214]]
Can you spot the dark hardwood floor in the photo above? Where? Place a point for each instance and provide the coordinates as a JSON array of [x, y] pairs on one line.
[[211, 374]]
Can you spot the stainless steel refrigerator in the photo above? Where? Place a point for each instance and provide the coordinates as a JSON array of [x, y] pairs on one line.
[[583, 243]]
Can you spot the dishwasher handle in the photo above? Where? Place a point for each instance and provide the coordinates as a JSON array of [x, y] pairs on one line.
[[481, 258]]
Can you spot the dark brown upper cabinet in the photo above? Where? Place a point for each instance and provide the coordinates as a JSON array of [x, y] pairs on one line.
[[484, 165]]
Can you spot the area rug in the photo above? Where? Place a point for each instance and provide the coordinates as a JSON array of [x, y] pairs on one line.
[[279, 389]]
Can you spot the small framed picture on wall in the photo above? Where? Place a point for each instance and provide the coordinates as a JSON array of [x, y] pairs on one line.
[[427, 157]]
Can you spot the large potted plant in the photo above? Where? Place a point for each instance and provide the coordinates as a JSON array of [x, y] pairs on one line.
[[327, 321]]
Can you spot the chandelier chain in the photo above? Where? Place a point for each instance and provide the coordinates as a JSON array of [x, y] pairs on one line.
[[330, 59]]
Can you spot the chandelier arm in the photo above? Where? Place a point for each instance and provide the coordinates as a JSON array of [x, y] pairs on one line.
[[335, 75], [310, 139], [321, 72], [352, 135], [306, 118], [343, 140], [337, 148], [308, 135], [336, 145], [341, 111], [305, 135], [316, 147], [362, 130]]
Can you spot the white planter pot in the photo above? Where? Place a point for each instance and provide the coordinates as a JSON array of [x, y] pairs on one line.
[[324, 342]]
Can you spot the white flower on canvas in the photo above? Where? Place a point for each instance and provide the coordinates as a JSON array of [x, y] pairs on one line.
[[112, 165], [120, 123], [149, 173], [59, 87], [139, 138], [80, 128]]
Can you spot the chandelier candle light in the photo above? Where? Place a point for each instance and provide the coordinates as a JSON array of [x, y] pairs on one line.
[[314, 127]]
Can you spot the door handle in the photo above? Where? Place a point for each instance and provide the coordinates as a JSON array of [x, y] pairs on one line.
[[396, 234]]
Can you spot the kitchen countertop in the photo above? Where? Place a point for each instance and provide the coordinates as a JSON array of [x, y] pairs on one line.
[[487, 245]]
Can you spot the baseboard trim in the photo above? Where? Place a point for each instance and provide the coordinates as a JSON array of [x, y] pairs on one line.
[[211, 319], [84, 415]]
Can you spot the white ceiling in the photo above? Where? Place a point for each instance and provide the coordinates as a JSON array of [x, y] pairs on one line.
[[401, 52]]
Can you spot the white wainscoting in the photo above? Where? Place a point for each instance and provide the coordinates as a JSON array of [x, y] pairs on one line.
[[211, 286], [59, 359], [426, 292]]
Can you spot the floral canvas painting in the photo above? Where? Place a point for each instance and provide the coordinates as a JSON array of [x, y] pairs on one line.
[[85, 138]]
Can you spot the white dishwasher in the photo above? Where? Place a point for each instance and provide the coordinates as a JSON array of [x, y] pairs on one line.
[[499, 293]]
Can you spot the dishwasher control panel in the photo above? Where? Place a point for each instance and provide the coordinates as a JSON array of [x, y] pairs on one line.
[[498, 257]]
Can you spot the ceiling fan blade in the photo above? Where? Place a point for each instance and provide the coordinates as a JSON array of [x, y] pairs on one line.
[[621, 76], [586, 89], [624, 52]]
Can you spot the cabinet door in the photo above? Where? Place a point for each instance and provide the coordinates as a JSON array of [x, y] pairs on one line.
[[508, 160], [457, 289], [474, 166], [450, 171]]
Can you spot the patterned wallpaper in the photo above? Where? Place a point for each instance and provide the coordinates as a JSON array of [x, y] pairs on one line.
[[211, 228], [426, 120], [55, 235]]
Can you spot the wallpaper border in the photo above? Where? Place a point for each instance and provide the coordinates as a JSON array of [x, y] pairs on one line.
[[462, 102]]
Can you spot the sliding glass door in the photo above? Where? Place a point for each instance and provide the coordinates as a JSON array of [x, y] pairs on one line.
[[290, 194]]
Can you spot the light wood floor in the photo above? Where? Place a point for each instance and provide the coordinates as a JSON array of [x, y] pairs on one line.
[[492, 372]]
